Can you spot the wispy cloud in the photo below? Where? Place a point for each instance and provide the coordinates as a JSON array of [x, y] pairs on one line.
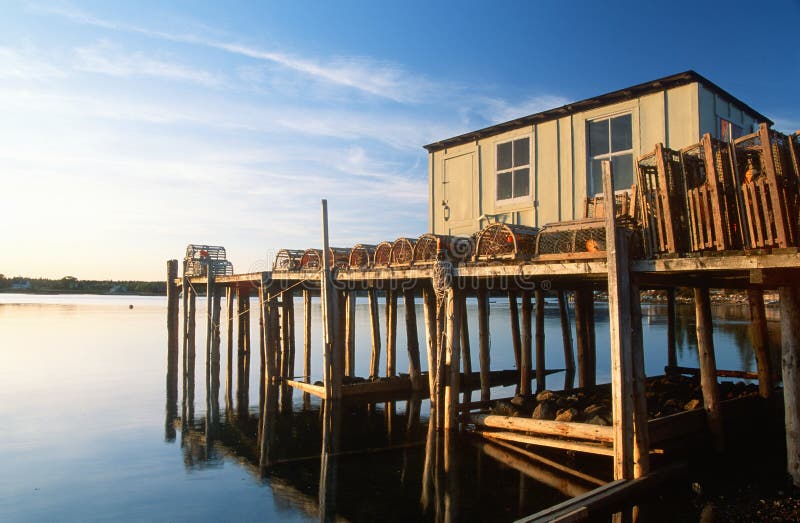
[[108, 58], [26, 64], [497, 110], [380, 79]]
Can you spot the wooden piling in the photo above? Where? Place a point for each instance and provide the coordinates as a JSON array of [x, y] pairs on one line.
[[525, 361], [288, 333], [173, 356], [307, 335], [672, 352], [516, 341], [541, 371], [466, 349], [414, 363], [209, 314], [172, 295], [619, 326], [454, 302], [483, 343], [566, 337], [429, 311], [332, 376], [790, 366], [229, 354], [391, 331], [708, 366], [350, 333], [584, 328], [375, 332], [760, 338], [641, 431]]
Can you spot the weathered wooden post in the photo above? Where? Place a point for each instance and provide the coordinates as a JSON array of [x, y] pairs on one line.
[[375, 331], [287, 330], [584, 328], [172, 350], [243, 361], [454, 303], [790, 365], [430, 310], [307, 335], [566, 336], [525, 361], [483, 342], [672, 352], [350, 333], [541, 371], [209, 314], [760, 337], [412, 337], [516, 341], [708, 366], [466, 349], [641, 431], [391, 330], [332, 375], [621, 332], [229, 370]]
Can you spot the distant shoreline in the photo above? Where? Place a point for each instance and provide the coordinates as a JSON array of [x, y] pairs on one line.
[[52, 292]]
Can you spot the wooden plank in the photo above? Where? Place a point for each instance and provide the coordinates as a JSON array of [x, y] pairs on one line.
[[771, 176], [516, 340], [670, 244], [315, 390], [619, 326], [715, 192], [790, 367], [587, 431], [566, 337], [741, 374], [483, 343], [563, 444], [769, 216], [540, 339], [375, 331], [709, 264], [708, 366], [526, 359]]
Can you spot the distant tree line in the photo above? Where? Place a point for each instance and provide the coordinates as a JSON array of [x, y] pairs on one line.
[[70, 284]]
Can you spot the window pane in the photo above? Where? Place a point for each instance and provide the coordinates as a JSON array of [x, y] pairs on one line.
[[504, 156], [623, 171], [522, 185], [598, 137], [504, 186], [621, 133], [522, 152], [596, 177]]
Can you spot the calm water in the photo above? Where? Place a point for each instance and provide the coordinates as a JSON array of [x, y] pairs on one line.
[[89, 433]]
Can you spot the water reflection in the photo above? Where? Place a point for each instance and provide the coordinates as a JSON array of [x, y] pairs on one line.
[[384, 461]]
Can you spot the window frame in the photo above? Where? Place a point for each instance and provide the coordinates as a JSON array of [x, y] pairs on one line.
[[590, 190], [526, 198], [733, 126]]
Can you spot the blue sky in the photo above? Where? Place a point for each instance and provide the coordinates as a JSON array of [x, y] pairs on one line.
[[129, 129]]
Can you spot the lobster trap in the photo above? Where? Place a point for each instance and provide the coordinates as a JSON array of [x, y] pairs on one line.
[[501, 241], [338, 257], [711, 188], [361, 256], [402, 253], [624, 204], [383, 255], [768, 186], [582, 239], [287, 260], [202, 259], [431, 248], [662, 197]]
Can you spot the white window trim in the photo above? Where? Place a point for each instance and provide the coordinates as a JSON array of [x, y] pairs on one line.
[[590, 191], [519, 200]]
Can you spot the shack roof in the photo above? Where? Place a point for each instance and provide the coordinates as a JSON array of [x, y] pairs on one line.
[[621, 95]]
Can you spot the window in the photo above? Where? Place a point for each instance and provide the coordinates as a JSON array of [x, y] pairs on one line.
[[514, 169], [729, 131], [611, 139]]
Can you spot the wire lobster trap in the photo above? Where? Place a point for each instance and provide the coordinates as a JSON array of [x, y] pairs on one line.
[[794, 150], [768, 187], [663, 202], [502, 241], [583, 239], [431, 248], [383, 255], [338, 257], [625, 204], [361, 256], [711, 201], [199, 258], [402, 253], [288, 260]]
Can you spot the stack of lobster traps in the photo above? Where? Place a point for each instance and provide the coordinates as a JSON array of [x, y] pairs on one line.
[[202, 260], [718, 196]]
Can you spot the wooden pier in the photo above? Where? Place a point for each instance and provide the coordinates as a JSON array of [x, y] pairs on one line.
[[443, 285]]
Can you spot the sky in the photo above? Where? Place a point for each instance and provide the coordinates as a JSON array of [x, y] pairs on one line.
[[130, 129]]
